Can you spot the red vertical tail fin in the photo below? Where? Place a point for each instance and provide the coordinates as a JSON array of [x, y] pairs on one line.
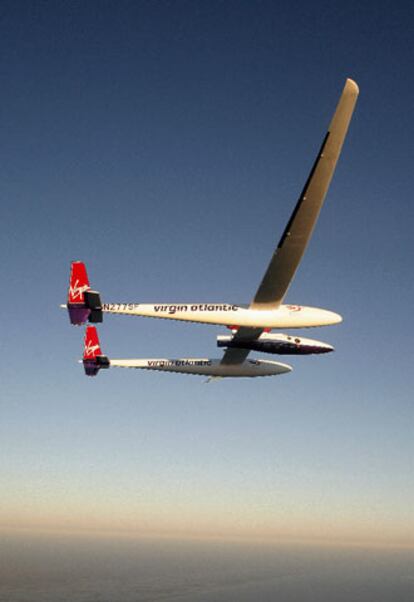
[[83, 304], [78, 286], [92, 346], [93, 360], [78, 283]]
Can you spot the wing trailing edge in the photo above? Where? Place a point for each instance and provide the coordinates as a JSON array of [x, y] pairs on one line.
[[292, 245]]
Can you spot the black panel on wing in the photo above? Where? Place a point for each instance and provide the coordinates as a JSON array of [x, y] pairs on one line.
[[289, 252]]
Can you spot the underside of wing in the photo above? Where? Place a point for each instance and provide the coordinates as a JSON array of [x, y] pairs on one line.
[[298, 231], [292, 245], [234, 355]]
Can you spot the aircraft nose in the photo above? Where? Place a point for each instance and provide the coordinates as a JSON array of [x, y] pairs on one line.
[[336, 318], [325, 348]]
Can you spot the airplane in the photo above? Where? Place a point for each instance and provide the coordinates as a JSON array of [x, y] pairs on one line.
[[93, 361], [250, 324]]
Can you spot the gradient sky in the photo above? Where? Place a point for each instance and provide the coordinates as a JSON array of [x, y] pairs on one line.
[[166, 143]]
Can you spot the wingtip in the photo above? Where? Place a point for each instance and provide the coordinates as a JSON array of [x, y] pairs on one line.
[[352, 86]]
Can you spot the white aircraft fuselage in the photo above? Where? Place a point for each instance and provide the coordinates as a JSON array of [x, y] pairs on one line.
[[250, 323], [205, 366], [285, 316]]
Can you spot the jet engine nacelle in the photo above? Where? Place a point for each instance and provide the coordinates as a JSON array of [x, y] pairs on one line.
[[277, 343]]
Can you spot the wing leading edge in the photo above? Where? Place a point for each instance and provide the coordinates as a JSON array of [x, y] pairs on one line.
[[292, 245]]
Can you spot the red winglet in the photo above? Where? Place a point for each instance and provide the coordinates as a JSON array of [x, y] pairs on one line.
[[92, 347], [78, 283]]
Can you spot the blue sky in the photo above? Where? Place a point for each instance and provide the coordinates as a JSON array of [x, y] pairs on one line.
[[165, 143]]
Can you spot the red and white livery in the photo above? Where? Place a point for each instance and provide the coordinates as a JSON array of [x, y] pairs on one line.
[[267, 310]]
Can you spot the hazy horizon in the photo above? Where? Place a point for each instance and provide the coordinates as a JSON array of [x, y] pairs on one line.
[[211, 536]]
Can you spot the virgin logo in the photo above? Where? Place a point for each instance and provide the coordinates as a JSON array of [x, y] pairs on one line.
[[90, 349], [294, 307], [76, 291]]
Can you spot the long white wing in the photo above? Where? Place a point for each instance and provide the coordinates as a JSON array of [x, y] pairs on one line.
[[292, 245]]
